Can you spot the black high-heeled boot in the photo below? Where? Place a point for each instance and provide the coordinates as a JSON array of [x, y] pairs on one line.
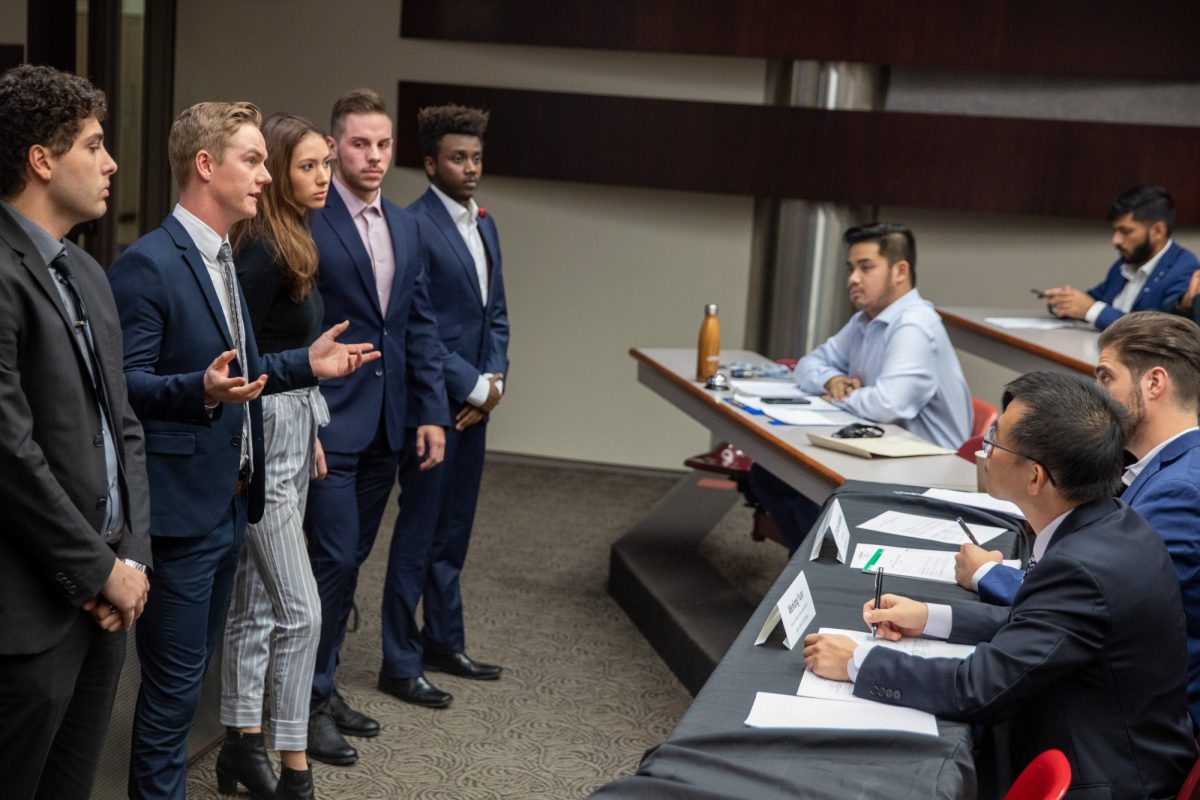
[[294, 784], [243, 759]]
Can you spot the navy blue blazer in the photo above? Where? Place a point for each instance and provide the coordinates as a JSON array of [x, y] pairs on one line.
[[174, 327], [1166, 283], [410, 370], [474, 335], [1167, 495], [1090, 660]]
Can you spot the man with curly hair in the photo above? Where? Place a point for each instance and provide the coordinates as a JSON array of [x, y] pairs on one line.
[[74, 548], [437, 507]]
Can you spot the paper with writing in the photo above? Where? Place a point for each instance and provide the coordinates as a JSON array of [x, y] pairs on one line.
[[931, 529], [909, 562]]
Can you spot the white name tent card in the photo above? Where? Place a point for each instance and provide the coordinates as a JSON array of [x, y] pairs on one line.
[[795, 610], [833, 521]]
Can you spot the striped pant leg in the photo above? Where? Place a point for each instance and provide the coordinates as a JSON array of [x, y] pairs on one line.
[[275, 632]]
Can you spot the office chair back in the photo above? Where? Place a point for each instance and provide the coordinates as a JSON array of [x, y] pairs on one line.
[[1191, 786], [985, 415]]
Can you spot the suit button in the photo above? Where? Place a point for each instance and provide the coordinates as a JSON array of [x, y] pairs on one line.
[[385, 333], [236, 441], [378, 373], [98, 440], [101, 502]]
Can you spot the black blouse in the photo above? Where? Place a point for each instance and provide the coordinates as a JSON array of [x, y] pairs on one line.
[[278, 322]]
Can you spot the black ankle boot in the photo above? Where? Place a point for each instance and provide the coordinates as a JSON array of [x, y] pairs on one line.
[[243, 759], [294, 784]]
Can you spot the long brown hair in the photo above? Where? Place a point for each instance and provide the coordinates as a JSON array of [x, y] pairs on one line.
[[282, 223]]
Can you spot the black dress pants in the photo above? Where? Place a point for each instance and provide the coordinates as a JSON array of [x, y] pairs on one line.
[[54, 713]]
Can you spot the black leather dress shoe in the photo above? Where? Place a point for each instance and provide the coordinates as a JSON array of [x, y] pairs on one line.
[[349, 721], [417, 691], [462, 665], [325, 742]]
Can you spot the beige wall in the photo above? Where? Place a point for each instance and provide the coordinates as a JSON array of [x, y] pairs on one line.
[[12, 21], [589, 270], [990, 260]]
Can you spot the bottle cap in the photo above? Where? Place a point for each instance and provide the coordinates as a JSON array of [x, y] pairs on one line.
[[711, 308]]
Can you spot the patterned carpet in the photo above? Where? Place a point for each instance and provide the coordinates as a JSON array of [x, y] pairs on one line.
[[582, 695]]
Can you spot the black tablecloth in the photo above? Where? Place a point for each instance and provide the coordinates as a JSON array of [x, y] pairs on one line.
[[712, 755]]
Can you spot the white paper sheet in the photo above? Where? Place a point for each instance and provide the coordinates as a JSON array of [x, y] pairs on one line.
[[803, 415], [928, 528], [819, 688], [975, 500], [1028, 323], [765, 388], [813, 404], [909, 562], [789, 711]]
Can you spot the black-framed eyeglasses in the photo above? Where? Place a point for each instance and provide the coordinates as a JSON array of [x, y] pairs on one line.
[[989, 442]]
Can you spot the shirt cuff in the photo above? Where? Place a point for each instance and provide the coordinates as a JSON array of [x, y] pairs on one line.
[[984, 569], [1094, 311], [856, 659], [940, 621], [479, 394]]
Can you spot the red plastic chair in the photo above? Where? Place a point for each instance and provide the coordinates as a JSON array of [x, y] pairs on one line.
[[1191, 786], [985, 415], [970, 447], [1046, 778]]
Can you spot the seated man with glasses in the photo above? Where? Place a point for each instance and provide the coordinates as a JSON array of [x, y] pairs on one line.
[[892, 362], [1090, 658], [1150, 364]]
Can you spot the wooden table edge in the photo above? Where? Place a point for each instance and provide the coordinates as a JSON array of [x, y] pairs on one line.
[[731, 414], [1013, 341]]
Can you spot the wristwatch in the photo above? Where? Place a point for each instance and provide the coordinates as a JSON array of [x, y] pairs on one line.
[[139, 566]]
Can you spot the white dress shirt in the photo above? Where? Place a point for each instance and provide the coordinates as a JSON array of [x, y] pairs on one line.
[[209, 244], [466, 220]]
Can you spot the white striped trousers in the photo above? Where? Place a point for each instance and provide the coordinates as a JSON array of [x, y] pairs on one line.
[[274, 617]]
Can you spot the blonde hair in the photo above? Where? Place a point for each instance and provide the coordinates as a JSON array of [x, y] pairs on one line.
[[209, 127], [281, 223]]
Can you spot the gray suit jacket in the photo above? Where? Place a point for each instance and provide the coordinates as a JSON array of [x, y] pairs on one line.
[[52, 557], [1091, 659]]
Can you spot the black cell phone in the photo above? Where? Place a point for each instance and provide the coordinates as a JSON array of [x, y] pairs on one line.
[[786, 401]]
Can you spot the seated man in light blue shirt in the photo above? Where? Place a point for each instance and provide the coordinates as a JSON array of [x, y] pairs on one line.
[[892, 362]]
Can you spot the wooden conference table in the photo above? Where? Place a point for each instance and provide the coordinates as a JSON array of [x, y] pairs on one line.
[[785, 449], [1072, 349]]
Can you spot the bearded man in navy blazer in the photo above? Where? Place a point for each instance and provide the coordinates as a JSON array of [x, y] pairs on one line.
[[1150, 364], [1091, 659], [194, 375], [372, 273], [437, 507], [1152, 272]]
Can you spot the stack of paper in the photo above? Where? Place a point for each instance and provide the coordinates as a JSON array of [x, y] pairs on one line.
[[1028, 323], [975, 500], [930, 529], [818, 688], [786, 711], [763, 388], [908, 562]]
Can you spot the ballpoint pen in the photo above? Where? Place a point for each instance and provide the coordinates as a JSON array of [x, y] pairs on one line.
[[878, 596], [967, 531]]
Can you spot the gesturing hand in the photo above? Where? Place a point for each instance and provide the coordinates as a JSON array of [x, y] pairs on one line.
[[330, 358], [220, 388]]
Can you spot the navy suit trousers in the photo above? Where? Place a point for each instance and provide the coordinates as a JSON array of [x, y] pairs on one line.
[[429, 547], [176, 637], [344, 512]]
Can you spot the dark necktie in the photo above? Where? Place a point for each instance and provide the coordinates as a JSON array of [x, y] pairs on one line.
[[225, 257], [65, 274], [1029, 567]]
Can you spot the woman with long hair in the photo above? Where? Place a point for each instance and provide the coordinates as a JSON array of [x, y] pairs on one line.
[[274, 619]]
